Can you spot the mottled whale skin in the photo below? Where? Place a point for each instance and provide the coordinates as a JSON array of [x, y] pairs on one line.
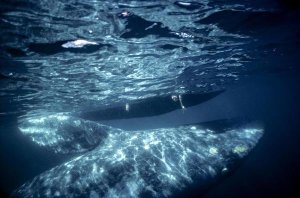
[[62, 133], [113, 162]]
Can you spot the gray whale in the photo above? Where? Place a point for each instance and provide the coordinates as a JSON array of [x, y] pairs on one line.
[[112, 162]]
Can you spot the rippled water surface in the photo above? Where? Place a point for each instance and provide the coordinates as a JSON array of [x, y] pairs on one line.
[[76, 77], [139, 49]]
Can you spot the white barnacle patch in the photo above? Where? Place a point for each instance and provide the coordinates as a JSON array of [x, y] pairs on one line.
[[134, 137], [193, 128], [125, 13], [184, 35], [37, 120], [29, 130], [101, 170], [77, 122], [199, 132], [95, 168], [209, 131], [250, 132], [60, 117], [146, 146], [240, 149], [120, 155], [68, 178], [78, 43], [213, 150]]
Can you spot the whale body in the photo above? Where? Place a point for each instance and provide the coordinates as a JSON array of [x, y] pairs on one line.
[[113, 162]]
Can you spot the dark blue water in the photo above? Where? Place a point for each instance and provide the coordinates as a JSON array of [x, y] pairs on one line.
[[149, 98]]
